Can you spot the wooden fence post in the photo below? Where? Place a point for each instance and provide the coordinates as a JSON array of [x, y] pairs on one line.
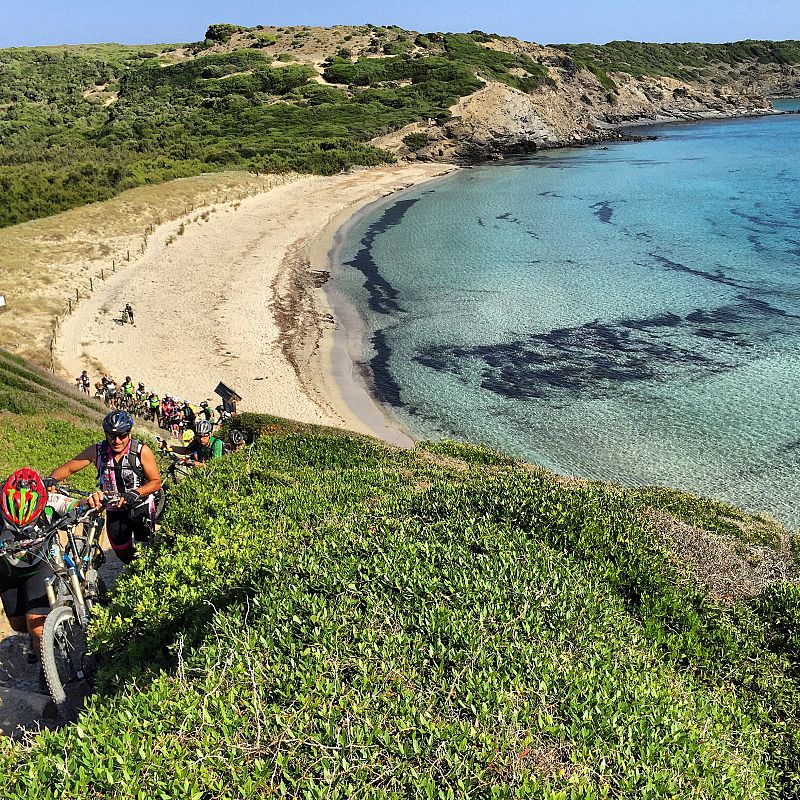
[[91, 284], [129, 256], [77, 296], [70, 306], [113, 265], [102, 275]]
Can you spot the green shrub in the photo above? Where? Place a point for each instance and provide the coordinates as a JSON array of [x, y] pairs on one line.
[[416, 141], [222, 32]]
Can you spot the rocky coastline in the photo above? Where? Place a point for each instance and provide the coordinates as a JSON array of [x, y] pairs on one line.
[[575, 107]]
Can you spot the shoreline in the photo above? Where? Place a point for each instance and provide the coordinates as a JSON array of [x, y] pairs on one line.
[[235, 293], [339, 358], [279, 322]]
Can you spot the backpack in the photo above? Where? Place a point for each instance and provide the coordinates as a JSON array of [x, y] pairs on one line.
[[131, 464]]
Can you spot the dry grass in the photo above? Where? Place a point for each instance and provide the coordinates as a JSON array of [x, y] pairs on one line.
[[727, 568], [43, 262]]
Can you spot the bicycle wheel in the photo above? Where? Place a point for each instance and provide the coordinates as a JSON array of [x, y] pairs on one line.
[[64, 660], [161, 502]]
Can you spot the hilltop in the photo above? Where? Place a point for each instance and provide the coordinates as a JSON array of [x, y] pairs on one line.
[[323, 614], [83, 123]]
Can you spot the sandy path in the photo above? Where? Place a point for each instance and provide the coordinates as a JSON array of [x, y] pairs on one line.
[[233, 295]]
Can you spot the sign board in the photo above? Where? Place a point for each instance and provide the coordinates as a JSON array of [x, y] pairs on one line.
[[229, 397], [3, 306]]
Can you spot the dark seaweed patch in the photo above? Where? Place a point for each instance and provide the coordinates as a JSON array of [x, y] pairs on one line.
[[382, 295], [599, 359], [756, 242], [386, 387], [716, 277], [603, 211]]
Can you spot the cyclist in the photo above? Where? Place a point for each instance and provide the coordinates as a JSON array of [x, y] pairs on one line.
[[154, 404], [128, 313], [128, 474], [203, 447], [188, 414], [25, 508], [237, 441], [112, 396], [83, 382], [224, 414], [205, 411]]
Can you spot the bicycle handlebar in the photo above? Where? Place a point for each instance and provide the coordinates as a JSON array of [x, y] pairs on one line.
[[72, 517]]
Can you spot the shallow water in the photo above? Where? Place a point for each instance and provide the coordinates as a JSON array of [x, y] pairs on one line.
[[630, 313]]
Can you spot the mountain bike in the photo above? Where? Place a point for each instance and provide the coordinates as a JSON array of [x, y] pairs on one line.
[[179, 467], [72, 591]]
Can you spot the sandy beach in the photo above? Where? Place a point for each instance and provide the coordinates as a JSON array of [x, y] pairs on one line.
[[233, 293]]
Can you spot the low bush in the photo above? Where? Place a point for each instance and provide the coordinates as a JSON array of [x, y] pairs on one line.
[[324, 616], [416, 141]]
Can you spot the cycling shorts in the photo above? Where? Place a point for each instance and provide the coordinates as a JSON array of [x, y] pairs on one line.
[[24, 593], [122, 528]]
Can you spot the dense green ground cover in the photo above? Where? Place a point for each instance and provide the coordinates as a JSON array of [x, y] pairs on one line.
[[41, 426], [325, 617], [78, 126], [684, 61]]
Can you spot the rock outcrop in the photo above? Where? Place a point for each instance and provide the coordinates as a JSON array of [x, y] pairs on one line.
[[576, 107]]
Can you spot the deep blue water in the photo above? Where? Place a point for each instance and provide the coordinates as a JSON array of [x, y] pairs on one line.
[[629, 313]]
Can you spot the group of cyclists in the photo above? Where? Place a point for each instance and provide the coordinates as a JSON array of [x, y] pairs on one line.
[[129, 483], [169, 412]]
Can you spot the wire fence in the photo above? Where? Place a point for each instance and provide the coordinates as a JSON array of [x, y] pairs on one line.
[[86, 289], [94, 280]]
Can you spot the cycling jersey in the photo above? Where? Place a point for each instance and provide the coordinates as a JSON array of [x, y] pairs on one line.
[[128, 389], [212, 450], [154, 401]]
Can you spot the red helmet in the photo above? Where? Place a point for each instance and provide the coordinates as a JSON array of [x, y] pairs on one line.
[[22, 500]]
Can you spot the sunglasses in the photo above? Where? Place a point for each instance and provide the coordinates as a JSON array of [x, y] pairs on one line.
[[119, 436]]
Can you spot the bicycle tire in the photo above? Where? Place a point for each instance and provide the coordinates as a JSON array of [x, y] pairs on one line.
[[161, 502], [63, 659]]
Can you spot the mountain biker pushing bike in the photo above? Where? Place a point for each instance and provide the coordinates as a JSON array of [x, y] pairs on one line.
[[128, 313], [128, 475], [25, 508], [203, 448], [83, 382]]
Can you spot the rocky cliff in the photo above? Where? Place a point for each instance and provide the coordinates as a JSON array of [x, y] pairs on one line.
[[579, 105]]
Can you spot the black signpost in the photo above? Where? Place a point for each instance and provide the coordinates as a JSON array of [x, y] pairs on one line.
[[229, 397]]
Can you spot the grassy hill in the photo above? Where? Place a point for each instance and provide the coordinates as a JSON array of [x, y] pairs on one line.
[[324, 616], [83, 123], [689, 61]]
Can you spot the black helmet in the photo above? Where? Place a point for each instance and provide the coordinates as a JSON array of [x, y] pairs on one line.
[[117, 422], [203, 427], [237, 437]]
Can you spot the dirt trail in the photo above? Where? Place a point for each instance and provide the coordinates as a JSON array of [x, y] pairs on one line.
[[24, 706]]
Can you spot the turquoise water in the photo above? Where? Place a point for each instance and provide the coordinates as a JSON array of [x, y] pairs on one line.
[[629, 313]]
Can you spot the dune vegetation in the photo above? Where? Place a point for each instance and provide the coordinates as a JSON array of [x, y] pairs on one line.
[[324, 616], [83, 123]]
